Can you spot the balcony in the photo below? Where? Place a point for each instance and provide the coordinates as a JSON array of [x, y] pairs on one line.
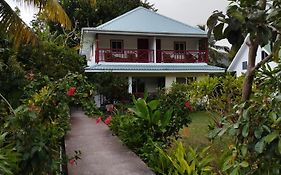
[[147, 56]]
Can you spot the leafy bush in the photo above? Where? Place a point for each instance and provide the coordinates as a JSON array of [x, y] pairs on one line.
[[37, 127], [146, 123], [177, 160], [256, 127], [8, 157], [217, 94], [114, 88]]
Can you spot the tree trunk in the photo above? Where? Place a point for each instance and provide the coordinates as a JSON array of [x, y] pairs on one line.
[[248, 82]]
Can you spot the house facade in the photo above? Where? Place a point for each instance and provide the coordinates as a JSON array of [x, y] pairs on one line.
[[150, 49], [240, 61]]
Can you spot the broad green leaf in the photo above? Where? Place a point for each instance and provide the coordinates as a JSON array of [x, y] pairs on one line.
[[258, 132], [270, 137], [235, 171], [259, 147], [153, 104], [244, 150], [156, 118], [245, 130], [244, 164]]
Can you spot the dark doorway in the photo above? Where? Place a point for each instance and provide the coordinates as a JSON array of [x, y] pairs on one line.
[[143, 50], [158, 50]]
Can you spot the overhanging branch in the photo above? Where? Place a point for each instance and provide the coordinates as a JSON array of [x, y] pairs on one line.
[[262, 62]]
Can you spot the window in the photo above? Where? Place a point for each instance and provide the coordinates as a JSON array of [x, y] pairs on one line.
[[263, 55], [185, 80], [179, 46], [116, 46], [244, 65]]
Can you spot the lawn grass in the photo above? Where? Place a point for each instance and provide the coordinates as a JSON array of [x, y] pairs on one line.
[[197, 134]]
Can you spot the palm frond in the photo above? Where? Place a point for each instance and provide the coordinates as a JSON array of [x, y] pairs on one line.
[[12, 25], [53, 11]]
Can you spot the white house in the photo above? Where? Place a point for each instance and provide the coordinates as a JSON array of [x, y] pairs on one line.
[[150, 49], [240, 61]]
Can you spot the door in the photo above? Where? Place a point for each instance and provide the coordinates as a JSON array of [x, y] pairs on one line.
[[143, 50], [158, 51]]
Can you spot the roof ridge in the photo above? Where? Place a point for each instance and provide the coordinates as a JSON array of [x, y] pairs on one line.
[[150, 11], [121, 16], [171, 19]]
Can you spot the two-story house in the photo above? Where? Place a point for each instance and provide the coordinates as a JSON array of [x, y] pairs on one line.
[[150, 49]]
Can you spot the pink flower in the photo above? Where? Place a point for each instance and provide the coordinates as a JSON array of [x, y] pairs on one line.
[[107, 120], [72, 162], [98, 120], [188, 106], [71, 91]]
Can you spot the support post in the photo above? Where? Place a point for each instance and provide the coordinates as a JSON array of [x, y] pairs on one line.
[[130, 85], [154, 50]]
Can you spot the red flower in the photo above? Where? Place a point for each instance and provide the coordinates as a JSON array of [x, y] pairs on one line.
[[72, 162], [188, 106], [107, 120], [71, 91], [98, 120]]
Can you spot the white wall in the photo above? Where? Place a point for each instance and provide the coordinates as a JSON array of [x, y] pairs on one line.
[[130, 42], [243, 56]]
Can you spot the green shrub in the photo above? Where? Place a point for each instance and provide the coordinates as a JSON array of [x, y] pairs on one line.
[[37, 127], [177, 99], [256, 127], [217, 94], [146, 123], [178, 160]]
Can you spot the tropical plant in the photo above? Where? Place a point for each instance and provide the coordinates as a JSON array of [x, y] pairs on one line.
[[256, 128], [178, 160], [218, 55], [177, 99], [8, 156], [12, 25], [36, 127], [217, 94]]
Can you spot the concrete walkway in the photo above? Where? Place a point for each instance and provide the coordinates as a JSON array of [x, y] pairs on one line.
[[102, 153]]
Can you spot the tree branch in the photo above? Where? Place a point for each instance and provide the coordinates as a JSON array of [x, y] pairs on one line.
[[262, 62]]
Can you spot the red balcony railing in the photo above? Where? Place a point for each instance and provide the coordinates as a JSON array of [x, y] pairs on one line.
[[147, 56], [124, 55], [181, 56]]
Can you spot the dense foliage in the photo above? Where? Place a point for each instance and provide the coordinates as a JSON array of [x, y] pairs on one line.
[[36, 128], [181, 161], [113, 88], [256, 128], [18, 67], [217, 94]]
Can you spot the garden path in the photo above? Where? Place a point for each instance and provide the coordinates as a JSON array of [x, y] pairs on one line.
[[102, 153]]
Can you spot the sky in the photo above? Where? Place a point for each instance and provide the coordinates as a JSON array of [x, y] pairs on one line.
[[192, 12]]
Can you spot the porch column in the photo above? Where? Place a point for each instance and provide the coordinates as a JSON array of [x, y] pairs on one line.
[[154, 50], [93, 57], [130, 85], [169, 81]]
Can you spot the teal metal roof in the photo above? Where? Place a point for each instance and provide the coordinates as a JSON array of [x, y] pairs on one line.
[[154, 67], [142, 20]]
